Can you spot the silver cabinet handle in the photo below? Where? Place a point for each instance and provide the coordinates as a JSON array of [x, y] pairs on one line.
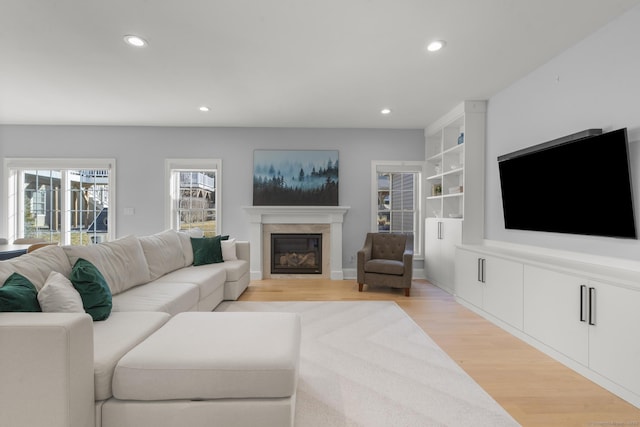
[[481, 270], [583, 289], [592, 306]]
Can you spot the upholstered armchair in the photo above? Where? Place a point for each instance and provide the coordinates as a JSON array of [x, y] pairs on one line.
[[386, 259]]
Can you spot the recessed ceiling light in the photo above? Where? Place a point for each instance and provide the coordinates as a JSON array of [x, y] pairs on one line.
[[135, 41], [204, 108], [385, 111], [436, 45]]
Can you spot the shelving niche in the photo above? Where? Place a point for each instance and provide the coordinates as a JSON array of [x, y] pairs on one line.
[[445, 170]]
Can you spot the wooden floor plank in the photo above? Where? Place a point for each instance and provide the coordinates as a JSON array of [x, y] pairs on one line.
[[535, 389]]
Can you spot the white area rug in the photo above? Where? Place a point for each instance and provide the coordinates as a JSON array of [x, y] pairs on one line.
[[369, 364]]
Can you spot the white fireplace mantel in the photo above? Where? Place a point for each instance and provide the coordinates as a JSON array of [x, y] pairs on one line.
[[259, 215]]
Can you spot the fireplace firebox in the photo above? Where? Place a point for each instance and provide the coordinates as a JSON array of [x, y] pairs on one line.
[[296, 253]]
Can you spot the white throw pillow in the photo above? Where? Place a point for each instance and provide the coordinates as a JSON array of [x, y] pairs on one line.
[[59, 296], [229, 249]]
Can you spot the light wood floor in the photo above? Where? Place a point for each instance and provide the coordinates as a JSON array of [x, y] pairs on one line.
[[535, 389]]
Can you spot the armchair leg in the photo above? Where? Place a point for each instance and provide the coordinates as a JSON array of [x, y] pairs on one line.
[[360, 285], [407, 292]]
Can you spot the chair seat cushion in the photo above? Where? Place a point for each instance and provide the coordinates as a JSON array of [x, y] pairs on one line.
[[384, 266]]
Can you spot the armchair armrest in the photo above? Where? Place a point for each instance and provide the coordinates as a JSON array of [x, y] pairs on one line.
[[363, 255], [47, 369]]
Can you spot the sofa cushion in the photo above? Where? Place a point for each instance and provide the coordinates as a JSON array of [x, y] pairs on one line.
[[59, 296], [169, 297], [37, 265], [250, 355], [185, 239], [114, 337], [236, 269], [163, 252], [206, 250], [121, 262], [208, 277], [17, 293], [93, 289]]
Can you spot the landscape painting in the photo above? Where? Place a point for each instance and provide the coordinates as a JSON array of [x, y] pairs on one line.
[[295, 177]]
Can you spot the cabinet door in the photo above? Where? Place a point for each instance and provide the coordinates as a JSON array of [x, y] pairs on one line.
[[503, 291], [614, 350], [467, 286], [552, 310], [432, 251], [451, 233]]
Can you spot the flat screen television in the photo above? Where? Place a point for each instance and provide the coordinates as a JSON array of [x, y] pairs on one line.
[[579, 184]]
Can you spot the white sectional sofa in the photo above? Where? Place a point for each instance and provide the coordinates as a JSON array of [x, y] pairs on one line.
[[57, 368]]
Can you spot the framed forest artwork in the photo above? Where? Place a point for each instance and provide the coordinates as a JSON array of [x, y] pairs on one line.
[[295, 178]]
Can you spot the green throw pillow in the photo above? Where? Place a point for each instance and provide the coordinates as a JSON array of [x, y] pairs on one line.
[[206, 250], [18, 294], [93, 289]]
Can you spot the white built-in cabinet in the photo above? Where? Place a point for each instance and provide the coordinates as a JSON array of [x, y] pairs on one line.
[[584, 315], [490, 283], [591, 322], [441, 238], [454, 169]]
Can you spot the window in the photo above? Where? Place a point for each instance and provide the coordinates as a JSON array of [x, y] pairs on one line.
[[193, 194], [60, 200], [397, 199]]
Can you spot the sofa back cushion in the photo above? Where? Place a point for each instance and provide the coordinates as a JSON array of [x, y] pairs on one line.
[[163, 252], [185, 240], [121, 262], [37, 265]]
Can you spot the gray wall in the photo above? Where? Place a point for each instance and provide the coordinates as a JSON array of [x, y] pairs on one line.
[[140, 153], [595, 84]]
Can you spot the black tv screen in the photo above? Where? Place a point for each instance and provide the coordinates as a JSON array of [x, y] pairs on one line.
[[580, 184]]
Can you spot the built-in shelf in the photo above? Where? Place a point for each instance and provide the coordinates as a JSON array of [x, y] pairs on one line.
[[454, 153]]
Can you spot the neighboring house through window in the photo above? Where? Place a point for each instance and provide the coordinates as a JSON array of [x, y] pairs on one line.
[[193, 194], [69, 201], [396, 199]]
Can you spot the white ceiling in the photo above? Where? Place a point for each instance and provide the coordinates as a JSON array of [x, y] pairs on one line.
[[274, 63]]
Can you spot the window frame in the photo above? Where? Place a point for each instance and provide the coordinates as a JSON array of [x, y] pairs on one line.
[[13, 216], [392, 166], [193, 165]]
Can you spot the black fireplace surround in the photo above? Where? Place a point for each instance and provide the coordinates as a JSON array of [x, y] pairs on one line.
[[296, 253]]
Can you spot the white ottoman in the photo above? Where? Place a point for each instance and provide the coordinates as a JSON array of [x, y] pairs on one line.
[[208, 369]]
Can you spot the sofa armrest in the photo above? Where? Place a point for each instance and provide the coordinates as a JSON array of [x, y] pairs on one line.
[[243, 250], [46, 370]]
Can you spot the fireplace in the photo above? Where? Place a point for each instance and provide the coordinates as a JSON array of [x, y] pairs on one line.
[[296, 253], [266, 220]]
